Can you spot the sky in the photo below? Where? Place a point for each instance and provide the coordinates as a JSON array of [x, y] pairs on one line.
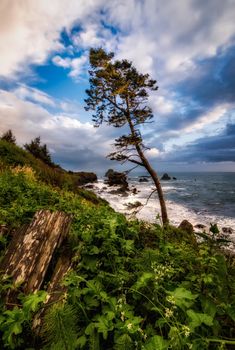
[[188, 46]]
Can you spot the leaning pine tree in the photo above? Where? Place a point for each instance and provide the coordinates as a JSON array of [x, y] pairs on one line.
[[118, 95]]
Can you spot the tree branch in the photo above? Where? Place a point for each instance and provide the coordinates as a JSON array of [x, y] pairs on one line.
[[135, 162]]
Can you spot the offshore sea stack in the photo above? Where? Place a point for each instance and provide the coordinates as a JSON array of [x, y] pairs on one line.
[[165, 177], [116, 178]]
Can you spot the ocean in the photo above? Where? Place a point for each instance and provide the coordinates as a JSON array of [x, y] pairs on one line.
[[201, 198]]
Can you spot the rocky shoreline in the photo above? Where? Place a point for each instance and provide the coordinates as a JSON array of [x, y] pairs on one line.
[[129, 199]]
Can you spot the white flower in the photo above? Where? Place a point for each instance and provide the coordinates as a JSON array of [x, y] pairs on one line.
[[122, 316], [168, 312], [186, 331], [129, 326]]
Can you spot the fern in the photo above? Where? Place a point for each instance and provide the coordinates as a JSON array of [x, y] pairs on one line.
[[60, 328]]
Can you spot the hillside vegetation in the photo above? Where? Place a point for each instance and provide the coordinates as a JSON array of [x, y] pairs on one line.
[[133, 285], [13, 155]]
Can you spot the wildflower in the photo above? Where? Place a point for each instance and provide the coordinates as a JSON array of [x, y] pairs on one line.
[[168, 312], [129, 326], [170, 299], [122, 316], [186, 331], [140, 330]]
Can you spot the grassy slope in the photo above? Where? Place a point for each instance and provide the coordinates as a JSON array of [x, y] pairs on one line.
[[134, 286], [13, 155]]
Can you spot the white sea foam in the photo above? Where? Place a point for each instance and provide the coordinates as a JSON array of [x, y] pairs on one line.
[[151, 208]]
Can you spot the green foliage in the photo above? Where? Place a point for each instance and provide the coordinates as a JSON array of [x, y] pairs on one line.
[[12, 322], [156, 342], [13, 156], [60, 328], [133, 285]]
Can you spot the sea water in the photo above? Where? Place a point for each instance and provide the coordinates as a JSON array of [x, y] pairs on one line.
[[201, 198]]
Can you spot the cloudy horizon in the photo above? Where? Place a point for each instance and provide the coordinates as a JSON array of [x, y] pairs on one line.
[[187, 46]]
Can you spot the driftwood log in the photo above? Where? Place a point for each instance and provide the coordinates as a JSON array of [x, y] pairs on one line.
[[31, 249]]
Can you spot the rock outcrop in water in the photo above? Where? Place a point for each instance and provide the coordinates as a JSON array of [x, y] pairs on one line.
[[165, 177], [116, 178], [143, 179]]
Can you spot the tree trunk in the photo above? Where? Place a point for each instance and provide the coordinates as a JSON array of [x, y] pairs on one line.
[[31, 249], [151, 172], [156, 181]]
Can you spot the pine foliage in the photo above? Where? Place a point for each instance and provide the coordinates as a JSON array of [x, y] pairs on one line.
[[9, 137], [39, 151]]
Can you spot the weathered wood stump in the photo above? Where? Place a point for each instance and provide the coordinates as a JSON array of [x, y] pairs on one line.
[[32, 247], [56, 289]]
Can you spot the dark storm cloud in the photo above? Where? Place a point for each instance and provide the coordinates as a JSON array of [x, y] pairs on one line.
[[214, 80], [217, 148], [82, 160], [211, 84]]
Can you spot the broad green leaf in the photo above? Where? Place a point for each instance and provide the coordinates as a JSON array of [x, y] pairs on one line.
[[32, 301], [124, 342], [81, 342], [183, 297], [156, 343], [198, 318], [208, 306], [143, 280], [231, 312], [103, 325]]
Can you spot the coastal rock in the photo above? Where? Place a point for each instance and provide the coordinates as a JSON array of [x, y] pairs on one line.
[[134, 205], [185, 225], [227, 230], [143, 179], [109, 172], [200, 226], [165, 177], [134, 190], [116, 178], [174, 178], [85, 177], [90, 186], [119, 191]]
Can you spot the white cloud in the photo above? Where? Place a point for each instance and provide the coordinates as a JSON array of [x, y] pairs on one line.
[[153, 153], [61, 62], [25, 92], [30, 30], [60, 132], [175, 33], [206, 119], [162, 104], [160, 38], [164, 39], [76, 65]]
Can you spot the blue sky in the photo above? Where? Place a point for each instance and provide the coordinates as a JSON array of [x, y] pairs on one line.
[[188, 46]]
